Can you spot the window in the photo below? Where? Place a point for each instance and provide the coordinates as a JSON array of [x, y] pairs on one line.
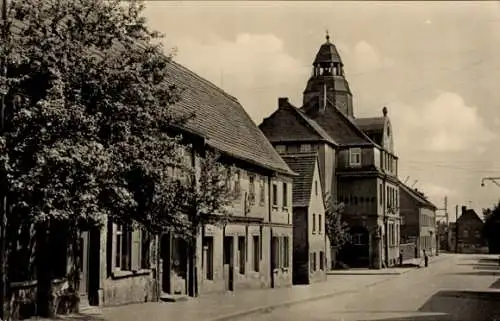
[[275, 252], [208, 247], [237, 188], [123, 241], [251, 189], [314, 224], [281, 149], [262, 192], [241, 251], [355, 156], [381, 196], [316, 188], [305, 148], [321, 260], [275, 195], [465, 233], [130, 248], [477, 234], [256, 253], [145, 247], [286, 249], [356, 239], [314, 261], [319, 223], [285, 195]]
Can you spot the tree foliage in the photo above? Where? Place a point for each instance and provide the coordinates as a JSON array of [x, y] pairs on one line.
[[491, 227], [337, 229], [88, 113]]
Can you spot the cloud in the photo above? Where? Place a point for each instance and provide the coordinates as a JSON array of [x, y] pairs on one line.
[[254, 67], [445, 124], [363, 57]]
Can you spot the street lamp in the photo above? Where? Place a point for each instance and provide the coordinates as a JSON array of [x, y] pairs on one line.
[[493, 179]]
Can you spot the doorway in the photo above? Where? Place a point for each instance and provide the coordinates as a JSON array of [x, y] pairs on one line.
[[228, 257], [83, 257], [174, 256]]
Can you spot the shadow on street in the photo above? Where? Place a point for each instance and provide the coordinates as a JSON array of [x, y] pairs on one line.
[[478, 273], [456, 306]]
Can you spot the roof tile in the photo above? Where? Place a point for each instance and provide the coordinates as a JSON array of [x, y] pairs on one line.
[[222, 121], [302, 164]]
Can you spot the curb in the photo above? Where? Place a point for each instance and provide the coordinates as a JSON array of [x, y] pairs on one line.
[[269, 308]]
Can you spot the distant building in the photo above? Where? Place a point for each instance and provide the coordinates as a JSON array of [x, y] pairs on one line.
[[357, 162], [310, 242], [418, 217], [469, 228]]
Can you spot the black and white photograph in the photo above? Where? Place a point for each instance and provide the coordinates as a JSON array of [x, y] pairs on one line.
[[249, 160]]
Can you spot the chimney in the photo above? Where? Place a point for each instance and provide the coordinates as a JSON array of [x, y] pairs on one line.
[[282, 102], [464, 208]]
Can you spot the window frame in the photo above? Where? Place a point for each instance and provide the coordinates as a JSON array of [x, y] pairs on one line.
[[355, 151]]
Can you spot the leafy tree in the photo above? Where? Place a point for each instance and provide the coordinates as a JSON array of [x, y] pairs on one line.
[[88, 115], [205, 197], [336, 228], [491, 228]]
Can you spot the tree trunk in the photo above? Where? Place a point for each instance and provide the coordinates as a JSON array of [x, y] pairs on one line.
[[192, 260], [45, 304]]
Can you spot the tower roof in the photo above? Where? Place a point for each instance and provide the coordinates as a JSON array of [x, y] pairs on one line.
[[327, 53]]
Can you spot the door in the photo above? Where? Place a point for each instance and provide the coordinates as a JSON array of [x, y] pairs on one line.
[[228, 263], [84, 266], [165, 253]]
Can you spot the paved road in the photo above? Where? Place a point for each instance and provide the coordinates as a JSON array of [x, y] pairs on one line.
[[461, 288]]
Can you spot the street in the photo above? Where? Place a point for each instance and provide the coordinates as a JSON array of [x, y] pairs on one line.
[[460, 287]]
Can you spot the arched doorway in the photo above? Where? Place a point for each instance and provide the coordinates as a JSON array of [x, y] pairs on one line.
[[357, 252]]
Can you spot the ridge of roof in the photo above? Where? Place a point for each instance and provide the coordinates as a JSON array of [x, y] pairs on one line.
[[314, 126], [421, 199], [223, 120], [353, 125]]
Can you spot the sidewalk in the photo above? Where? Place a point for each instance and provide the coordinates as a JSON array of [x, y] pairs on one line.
[[229, 306], [408, 265], [225, 307]]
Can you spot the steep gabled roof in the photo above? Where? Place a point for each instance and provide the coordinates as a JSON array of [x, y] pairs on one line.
[[418, 197], [340, 127], [222, 121], [373, 127], [371, 124], [288, 123], [469, 214], [302, 164], [219, 118]]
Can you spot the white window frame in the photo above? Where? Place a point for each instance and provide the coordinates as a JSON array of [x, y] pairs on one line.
[[353, 154], [305, 148], [281, 149]]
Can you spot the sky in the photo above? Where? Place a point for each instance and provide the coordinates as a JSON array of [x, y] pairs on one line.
[[435, 65]]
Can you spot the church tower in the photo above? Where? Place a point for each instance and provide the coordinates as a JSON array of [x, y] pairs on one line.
[[327, 86]]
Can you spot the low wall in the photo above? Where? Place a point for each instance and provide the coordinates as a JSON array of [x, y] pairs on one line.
[[23, 302], [408, 250]]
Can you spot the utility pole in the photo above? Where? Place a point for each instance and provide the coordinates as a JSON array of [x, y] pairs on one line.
[[456, 229]]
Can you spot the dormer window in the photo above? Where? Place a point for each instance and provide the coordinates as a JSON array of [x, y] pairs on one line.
[[355, 156], [305, 148], [281, 149]]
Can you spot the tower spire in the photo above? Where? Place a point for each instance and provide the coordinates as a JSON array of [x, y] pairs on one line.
[[327, 36]]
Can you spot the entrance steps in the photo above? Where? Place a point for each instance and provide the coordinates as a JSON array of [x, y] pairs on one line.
[[165, 297]]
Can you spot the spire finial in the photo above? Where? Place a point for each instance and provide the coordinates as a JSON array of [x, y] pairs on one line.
[[327, 36]]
